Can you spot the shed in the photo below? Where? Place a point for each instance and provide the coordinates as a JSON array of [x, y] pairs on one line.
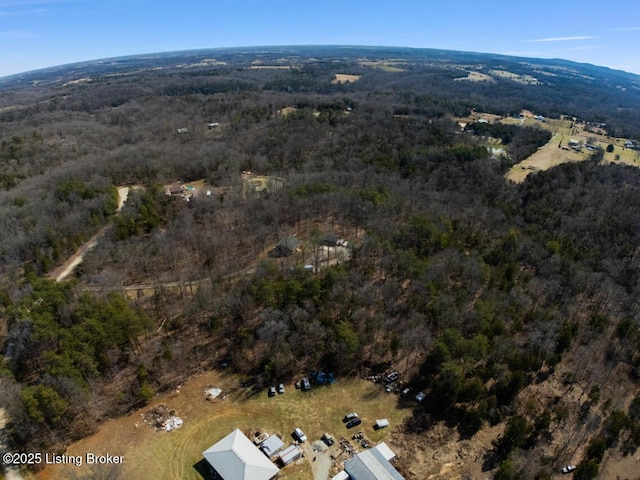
[[271, 445], [236, 458], [381, 423], [289, 454]]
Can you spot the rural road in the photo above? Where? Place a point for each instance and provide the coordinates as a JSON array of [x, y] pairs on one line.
[[67, 268]]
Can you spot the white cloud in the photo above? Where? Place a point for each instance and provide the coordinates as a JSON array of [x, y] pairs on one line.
[[523, 53], [562, 39], [623, 29]]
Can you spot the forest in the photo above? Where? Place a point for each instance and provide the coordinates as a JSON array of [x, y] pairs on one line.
[[481, 291]]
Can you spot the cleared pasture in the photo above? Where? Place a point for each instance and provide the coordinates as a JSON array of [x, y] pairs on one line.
[[171, 455]]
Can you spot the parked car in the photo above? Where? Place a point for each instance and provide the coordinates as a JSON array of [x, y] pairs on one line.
[[349, 416], [281, 388], [299, 434], [568, 468], [305, 384], [328, 439], [392, 377], [354, 422], [272, 391]]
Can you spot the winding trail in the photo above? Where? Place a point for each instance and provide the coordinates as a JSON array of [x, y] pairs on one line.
[[67, 268]]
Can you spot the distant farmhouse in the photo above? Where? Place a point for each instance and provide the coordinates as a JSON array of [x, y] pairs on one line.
[[286, 247], [235, 457], [632, 144], [175, 190]]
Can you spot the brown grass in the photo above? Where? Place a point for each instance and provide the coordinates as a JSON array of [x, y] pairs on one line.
[[550, 155], [345, 78], [477, 77], [171, 455]]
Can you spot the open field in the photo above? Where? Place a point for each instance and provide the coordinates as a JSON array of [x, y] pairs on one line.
[[283, 112], [345, 78], [476, 77], [171, 455], [270, 67], [546, 157], [523, 79], [551, 155], [260, 183], [385, 66]]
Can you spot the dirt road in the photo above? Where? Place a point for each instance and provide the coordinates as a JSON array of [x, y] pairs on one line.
[[67, 268], [318, 456]]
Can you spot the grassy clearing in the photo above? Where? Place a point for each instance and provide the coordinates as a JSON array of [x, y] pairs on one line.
[[345, 78], [259, 184], [171, 455]]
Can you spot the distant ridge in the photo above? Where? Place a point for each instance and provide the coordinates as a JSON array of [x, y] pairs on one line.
[[129, 63]]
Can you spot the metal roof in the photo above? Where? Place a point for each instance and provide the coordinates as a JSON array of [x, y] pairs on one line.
[[371, 465], [271, 445], [386, 452], [289, 454], [236, 458], [341, 475]]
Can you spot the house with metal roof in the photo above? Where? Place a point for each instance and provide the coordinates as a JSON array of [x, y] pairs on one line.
[[235, 457], [286, 247]]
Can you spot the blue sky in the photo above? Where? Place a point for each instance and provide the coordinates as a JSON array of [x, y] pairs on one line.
[[41, 33]]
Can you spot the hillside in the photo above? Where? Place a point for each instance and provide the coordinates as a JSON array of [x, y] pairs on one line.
[[334, 208]]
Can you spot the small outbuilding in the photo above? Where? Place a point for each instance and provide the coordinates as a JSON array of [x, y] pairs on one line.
[[289, 454], [381, 423], [271, 446]]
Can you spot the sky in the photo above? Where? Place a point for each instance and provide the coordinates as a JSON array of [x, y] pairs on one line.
[[43, 33]]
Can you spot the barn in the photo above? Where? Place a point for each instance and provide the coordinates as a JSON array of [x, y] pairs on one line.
[[372, 465], [235, 457]]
